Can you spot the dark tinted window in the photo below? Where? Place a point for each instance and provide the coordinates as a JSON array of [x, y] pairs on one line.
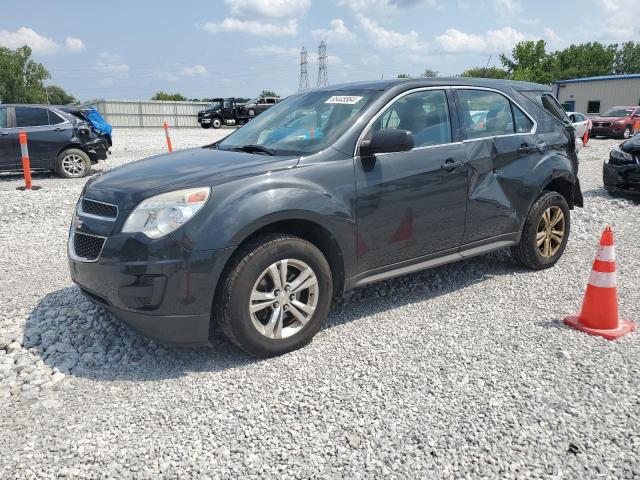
[[593, 107], [271, 100], [55, 119], [3, 118], [485, 114], [31, 117], [425, 114], [523, 123], [552, 106]]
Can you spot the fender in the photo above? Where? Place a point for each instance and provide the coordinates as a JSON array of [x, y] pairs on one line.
[[238, 209]]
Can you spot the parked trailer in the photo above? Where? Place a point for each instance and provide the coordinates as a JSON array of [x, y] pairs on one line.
[[150, 113]]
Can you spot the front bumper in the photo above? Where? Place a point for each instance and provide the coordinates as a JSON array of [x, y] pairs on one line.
[[612, 131], [158, 287], [621, 178]]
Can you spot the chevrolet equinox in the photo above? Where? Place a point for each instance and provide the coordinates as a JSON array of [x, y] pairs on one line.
[[329, 190]]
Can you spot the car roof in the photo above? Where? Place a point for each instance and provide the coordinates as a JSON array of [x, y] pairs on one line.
[[438, 81]]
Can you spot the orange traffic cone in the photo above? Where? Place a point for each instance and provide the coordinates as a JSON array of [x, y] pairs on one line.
[[599, 314], [585, 138]]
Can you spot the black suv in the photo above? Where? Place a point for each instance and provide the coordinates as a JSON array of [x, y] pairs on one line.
[[329, 190], [57, 140]]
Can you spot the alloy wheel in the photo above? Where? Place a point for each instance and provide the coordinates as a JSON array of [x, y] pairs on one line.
[[551, 231], [283, 299], [73, 165]]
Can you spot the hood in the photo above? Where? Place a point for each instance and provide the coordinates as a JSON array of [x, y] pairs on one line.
[[607, 119], [128, 185], [632, 145]]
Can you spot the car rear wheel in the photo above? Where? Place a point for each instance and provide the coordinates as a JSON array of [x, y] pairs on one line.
[[73, 163], [545, 233], [251, 112], [276, 296], [216, 123]]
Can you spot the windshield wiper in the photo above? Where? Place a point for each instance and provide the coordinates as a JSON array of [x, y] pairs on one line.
[[254, 149]]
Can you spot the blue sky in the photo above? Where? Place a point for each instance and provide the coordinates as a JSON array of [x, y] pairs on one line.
[[130, 49]]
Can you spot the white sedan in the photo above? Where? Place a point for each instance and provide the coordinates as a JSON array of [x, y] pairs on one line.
[[581, 123]]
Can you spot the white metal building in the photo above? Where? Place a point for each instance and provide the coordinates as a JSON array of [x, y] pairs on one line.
[[594, 95]]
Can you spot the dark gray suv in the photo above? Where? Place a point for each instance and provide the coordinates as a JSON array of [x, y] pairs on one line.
[[328, 190], [57, 140]]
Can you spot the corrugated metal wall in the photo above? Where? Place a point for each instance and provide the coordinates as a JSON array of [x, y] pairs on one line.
[[607, 92], [127, 113]]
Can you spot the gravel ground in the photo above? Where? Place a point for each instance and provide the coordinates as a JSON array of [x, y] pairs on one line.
[[464, 371]]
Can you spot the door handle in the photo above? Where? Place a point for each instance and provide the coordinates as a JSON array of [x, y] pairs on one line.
[[450, 165], [526, 147], [58, 129], [4, 133]]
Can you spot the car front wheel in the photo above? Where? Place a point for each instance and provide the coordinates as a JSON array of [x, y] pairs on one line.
[[545, 233], [73, 163], [275, 296], [626, 133]]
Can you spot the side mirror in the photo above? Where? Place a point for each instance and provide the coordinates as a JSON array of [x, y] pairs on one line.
[[387, 140]]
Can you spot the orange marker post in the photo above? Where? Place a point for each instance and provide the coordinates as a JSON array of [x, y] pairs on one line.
[[166, 133], [26, 166]]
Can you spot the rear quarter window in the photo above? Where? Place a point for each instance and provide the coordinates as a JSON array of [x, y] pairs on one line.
[[3, 118]]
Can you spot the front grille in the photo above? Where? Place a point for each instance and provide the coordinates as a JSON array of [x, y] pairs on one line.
[[87, 247], [601, 124], [99, 209]]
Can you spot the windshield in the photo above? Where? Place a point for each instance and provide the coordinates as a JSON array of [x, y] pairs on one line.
[[618, 112], [302, 124]]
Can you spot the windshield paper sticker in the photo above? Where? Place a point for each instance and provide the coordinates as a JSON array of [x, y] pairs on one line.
[[344, 99]]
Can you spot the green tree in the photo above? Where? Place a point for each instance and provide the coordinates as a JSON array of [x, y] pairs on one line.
[[585, 60], [176, 97], [485, 72], [530, 62], [268, 93], [428, 73], [57, 96], [627, 59], [21, 79]]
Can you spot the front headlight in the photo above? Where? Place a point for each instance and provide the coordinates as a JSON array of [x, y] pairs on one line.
[[621, 156], [160, 215], [619, 122]]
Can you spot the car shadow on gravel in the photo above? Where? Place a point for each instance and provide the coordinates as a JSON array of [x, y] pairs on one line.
[[78, 338]]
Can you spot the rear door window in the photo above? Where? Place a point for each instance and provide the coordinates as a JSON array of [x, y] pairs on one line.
[[3, 118], [31, 116], [485, 114]]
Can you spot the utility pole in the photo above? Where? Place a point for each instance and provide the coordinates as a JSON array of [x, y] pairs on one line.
[[323, 79], [304, 71]]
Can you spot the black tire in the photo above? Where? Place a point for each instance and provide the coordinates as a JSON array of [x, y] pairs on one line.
[[527, 253], [73, 163], [205, 125], [216, 123], [251, 112], [233, 299], [627, 133]]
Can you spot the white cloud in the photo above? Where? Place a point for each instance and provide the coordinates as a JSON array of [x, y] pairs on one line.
[[389, 39], [508, 7], [553, 39], [493, 41], [195, 71], [252, 27], [269, 8], [618, 20], [74, 44], [337, 32], [112, 64], [378, 7], [27, 36]]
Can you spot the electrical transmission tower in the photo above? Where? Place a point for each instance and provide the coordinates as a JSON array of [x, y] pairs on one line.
[[304, 71], [323, 80]]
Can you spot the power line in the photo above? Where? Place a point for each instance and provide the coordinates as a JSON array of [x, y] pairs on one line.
[[304, 71], [323, 79]]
